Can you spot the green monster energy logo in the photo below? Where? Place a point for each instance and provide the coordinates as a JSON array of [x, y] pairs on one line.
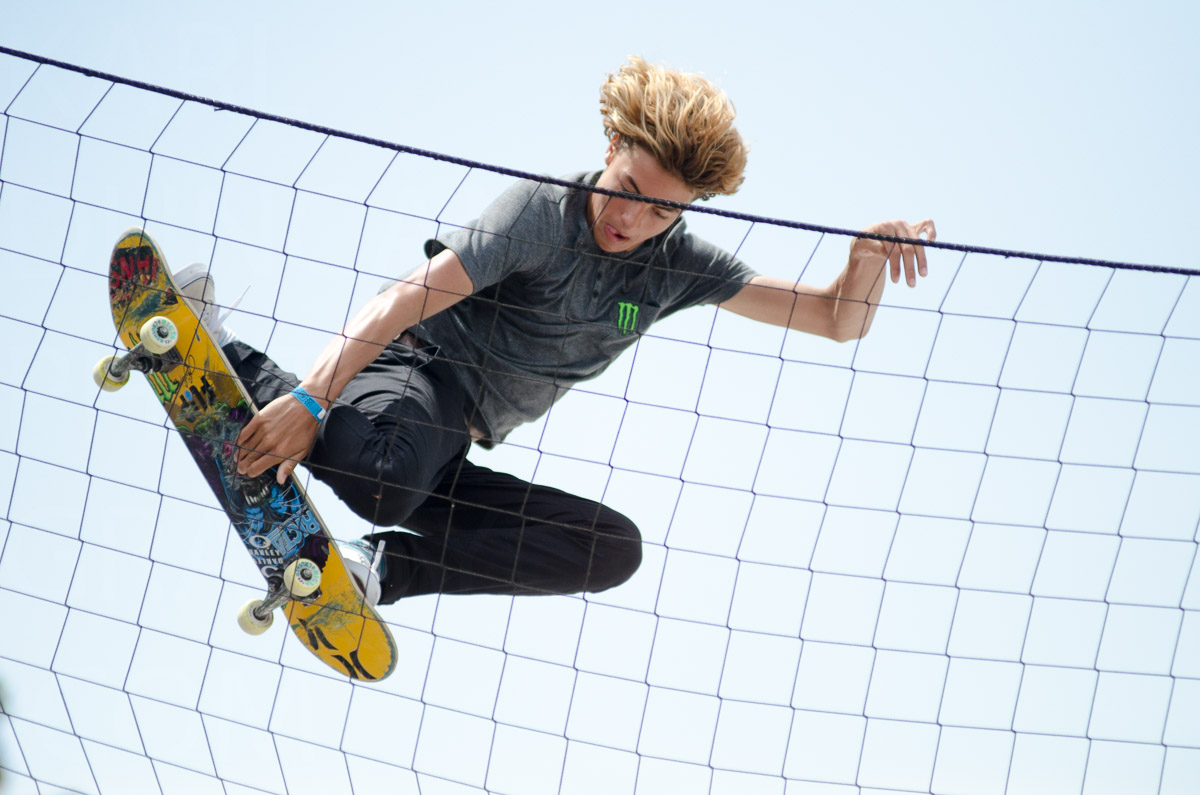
[[627, 315]]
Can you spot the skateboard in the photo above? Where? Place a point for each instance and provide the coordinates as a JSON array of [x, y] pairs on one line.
[[208, 405]]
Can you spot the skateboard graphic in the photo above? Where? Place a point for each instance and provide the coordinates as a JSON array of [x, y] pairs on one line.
[[209, 407]]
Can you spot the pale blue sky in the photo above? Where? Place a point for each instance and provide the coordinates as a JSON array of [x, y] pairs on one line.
[[930, 562], [1062, 127]]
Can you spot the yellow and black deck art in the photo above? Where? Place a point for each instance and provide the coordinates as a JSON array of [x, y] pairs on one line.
[[207, 404]]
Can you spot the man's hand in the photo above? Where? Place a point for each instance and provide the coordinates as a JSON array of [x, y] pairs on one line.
[[864, 251], [282, 433]]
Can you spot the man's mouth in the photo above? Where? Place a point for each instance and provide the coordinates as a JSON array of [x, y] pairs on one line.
[[612, 232]]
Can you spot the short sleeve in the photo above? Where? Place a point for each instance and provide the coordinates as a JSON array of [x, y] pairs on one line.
[[517, 232], [714, 274]]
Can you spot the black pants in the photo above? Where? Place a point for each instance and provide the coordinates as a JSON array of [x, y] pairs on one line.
[[394, 449]]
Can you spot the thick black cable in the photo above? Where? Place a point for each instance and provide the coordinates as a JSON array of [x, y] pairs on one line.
[[519, 174]]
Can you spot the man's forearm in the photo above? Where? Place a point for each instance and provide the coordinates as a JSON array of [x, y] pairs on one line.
[[438, 285], [856, 295], [364, 338]]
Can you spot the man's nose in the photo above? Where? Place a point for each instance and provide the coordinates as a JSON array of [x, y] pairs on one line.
[[631, 211]]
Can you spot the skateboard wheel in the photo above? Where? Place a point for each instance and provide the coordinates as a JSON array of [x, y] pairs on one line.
[[159, 334], [302, 577], [104, 378], [252, 624]]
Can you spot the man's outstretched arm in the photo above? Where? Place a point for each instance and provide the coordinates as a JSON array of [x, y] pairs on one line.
[[284, 430], [845, 309]]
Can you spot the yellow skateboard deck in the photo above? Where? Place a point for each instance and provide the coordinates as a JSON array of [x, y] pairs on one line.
[[208, 405]]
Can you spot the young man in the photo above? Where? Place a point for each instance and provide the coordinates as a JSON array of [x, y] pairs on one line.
[[544, 290]]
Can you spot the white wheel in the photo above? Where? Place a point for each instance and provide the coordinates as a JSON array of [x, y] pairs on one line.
[[301, 578], [252, 624], [105, 379], [159, 334]]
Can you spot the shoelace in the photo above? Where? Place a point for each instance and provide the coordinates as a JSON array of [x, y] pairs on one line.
[[378, 559], [224, 315]]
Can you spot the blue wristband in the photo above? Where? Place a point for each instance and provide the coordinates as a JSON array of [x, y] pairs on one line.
[[307, 400]]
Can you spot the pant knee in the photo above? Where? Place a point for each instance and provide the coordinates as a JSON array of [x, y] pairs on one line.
[[618, 552]]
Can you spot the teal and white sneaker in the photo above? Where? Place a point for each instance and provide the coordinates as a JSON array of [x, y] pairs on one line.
[[196, 284], [367, 567]]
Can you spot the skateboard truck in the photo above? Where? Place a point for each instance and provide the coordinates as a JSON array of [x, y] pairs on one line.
[[301, 579], [156, 352]]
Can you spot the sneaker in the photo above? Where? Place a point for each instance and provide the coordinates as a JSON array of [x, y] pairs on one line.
[[196, 284], [366, 564]]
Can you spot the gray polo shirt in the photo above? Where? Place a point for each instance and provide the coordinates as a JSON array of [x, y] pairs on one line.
[[551, 308]]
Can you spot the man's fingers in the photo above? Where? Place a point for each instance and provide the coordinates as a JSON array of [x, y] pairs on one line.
[[262, 464], [245, 459], [253, 460], [245, 438], [909, 257], [252, 464], [287, 465], [250, 441], [248, 453], [915, 254], [929, 231]]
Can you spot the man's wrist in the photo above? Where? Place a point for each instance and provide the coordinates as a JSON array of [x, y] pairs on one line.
[[309, 402]]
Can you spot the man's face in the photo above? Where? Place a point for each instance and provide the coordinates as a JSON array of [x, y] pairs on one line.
[[620, 225]]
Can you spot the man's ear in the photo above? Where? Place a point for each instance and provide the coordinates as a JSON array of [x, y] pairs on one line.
[[613, 143]]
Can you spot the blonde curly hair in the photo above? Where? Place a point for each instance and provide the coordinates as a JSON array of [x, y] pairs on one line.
[[683, 120]]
